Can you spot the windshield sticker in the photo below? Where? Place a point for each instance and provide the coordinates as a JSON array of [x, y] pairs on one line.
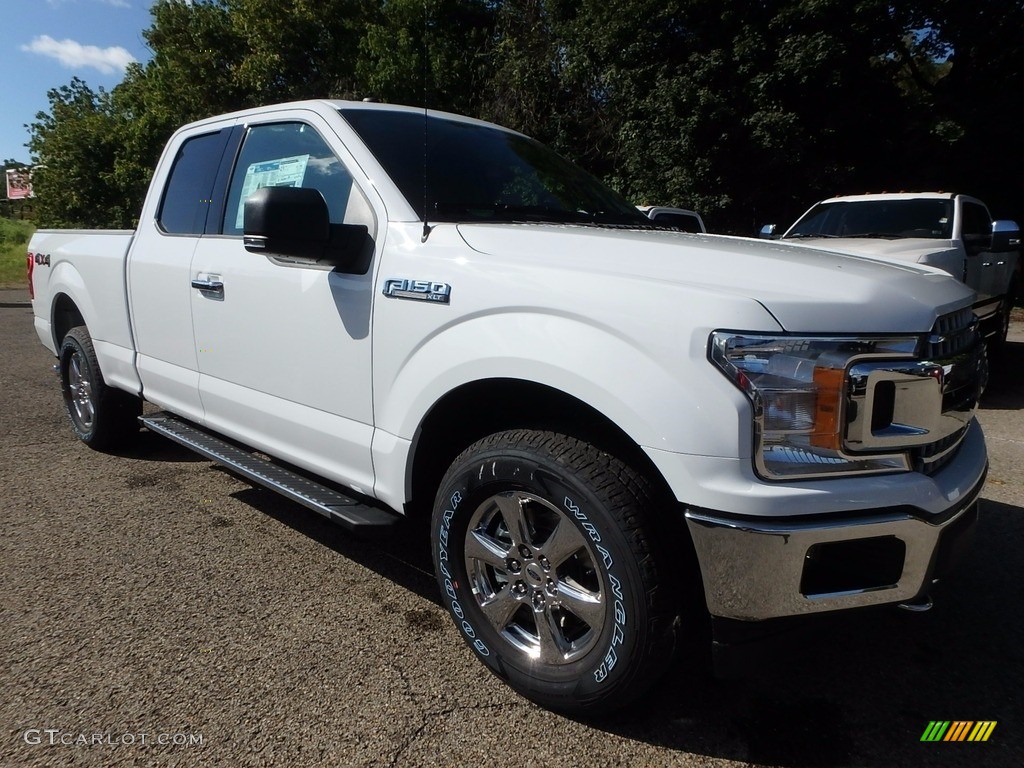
[[283, 172]]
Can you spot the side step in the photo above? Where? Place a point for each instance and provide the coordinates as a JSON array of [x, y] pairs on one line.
[[330, 503]]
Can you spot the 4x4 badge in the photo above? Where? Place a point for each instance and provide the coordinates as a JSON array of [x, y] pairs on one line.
[[421, 290]]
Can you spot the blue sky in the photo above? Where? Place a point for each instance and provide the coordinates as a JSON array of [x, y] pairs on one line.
[[47, 42]]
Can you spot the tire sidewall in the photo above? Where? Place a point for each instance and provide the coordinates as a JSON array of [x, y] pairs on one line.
[[70, 347], [611, 663]]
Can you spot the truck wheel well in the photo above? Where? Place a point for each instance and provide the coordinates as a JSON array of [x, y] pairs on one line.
[[65, 317], [482, 408]]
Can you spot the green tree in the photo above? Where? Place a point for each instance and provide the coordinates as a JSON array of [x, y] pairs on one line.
[[972, 134], [75, 146], [427, 52], [98, 148], [741, 112], [193, 74], [299, 49], [745, 112]]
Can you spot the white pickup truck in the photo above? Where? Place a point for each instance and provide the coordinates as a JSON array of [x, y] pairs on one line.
[[415, 312], [954, 233]]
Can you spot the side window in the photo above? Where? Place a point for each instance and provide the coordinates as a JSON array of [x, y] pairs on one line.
[[681, 221], [977, 229], [187, 194], [293, 155]]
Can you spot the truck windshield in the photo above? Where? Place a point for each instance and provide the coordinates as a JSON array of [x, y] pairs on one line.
[[892, 219], [486, 174]]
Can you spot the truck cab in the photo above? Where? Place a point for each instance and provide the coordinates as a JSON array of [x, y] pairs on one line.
[[954, 233]]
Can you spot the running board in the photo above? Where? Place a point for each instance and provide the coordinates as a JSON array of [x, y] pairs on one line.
[[328, 502]]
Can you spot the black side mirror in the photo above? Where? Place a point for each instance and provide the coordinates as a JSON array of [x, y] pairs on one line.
[[1005, 236], [294, 223]]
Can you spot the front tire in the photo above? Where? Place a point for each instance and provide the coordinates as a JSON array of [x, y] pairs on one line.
[[548, 562], [102, 417]]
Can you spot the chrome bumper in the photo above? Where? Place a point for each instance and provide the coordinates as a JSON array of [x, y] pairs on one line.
[[756, 568]]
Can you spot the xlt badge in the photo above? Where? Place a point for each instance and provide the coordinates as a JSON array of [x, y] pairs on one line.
[[421, 290]]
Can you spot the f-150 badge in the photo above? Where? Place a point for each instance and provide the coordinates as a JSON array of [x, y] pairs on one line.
[[421, 290]]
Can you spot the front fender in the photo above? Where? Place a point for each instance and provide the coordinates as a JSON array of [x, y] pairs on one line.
[[675, 402]]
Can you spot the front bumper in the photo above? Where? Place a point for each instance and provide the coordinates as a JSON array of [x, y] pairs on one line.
[[756, 568]]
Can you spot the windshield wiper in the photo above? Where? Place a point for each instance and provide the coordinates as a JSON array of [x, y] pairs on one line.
[[539, 213], [875, 235], [534, 213], [499, 212]]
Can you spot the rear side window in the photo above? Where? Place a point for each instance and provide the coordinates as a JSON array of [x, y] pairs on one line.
[[681, 221], [190, 186]]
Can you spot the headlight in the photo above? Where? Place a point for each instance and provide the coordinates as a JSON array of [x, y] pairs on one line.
[[797, 386]]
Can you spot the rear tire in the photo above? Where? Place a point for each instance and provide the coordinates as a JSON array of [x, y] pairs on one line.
[[102, 417], [548, 562]]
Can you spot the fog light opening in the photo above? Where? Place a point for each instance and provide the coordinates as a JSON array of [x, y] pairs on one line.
[[853, 566]]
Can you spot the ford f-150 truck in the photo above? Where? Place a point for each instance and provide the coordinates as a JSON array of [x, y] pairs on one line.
[[954, 233], [413, 312]]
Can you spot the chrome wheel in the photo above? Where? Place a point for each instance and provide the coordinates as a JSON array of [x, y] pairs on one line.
[[534, 577], [81, 392], [102, 417], [548, 563]]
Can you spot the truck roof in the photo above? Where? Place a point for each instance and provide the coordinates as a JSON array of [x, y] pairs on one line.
[[893, 196], [336, 104]]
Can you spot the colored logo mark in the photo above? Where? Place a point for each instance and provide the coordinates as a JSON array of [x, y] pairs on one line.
[[958, 730]]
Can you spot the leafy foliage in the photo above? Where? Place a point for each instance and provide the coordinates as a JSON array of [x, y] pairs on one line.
[[748, 112], [14, 237]]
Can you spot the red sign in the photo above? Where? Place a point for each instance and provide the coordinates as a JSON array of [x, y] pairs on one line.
[[19, 183]]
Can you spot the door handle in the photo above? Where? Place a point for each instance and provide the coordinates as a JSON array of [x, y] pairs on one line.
[[209, 286]]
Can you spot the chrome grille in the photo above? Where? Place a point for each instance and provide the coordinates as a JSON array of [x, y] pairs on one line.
[[921, 406], [931, 458], [956, 345], [952, 334]]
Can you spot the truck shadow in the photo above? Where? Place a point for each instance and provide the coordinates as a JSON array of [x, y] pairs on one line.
[[149, 446], [859, 689], [1004, 391], [855, 689]]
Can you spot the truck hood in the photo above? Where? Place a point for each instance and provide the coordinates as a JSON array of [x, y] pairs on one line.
[[909, 250], [806, 290]]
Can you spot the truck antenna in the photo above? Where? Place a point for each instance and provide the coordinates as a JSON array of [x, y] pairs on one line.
[[426, 121]]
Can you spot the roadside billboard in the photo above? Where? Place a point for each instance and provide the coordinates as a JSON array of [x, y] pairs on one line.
[[19, 183]]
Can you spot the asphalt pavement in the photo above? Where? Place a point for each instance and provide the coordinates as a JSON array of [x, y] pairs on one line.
[[158, 611]]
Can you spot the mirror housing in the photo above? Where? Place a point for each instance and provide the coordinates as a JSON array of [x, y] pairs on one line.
[[768, 233], [294, 223], [1005, 236]]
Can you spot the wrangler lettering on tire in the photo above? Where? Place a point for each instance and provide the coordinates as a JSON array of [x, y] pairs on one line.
[[546, 558]]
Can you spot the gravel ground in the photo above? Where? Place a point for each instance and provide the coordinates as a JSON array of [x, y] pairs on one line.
[[152, 596]]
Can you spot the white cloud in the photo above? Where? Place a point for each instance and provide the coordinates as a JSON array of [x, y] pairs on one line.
[[74, 55]]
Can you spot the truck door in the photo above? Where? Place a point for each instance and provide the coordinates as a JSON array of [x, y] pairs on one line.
[[284, 349], [982, 271], [171, 224]]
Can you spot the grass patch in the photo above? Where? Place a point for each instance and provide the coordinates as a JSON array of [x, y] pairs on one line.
[[14, 236]]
